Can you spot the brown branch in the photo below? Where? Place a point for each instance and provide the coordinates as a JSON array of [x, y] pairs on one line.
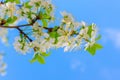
[[21, 31], [4, 21], [15, 26], [49, 29]]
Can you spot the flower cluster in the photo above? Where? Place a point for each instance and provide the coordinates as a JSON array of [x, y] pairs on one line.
[[21, 45], [36, 33], [70, 35]]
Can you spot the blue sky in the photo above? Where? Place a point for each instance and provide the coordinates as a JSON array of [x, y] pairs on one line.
[[78, 65]]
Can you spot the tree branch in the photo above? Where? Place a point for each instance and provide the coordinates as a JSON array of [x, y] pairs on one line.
[[15, 26], [24, 25], [49, 29], [21, 31]]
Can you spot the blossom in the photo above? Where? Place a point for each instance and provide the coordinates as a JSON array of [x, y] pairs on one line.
[[43, 45], [22, 47], [41, 37], [68, 18], [3, 33], [37, 30], [2, 66], [11, 7], [92, 39], [71, 45], [32, 2]]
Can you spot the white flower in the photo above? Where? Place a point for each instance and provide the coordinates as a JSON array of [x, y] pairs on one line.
[[46, 35], [67, 17], [11, 8], [3, 11], [92, 39], [2, 66], [83, 33], [61, 32], [70, 45], [94, 32], [37, 31], [3, 33], [33, 16], [32, 2], [25, 10], [43, 45], [83, 23], [22, 47], [76, 25]]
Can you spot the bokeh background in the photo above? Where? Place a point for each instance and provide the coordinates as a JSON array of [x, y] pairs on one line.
[[80, 65]]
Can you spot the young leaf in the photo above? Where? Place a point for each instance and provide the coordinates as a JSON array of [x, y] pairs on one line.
[[45, 54], [98, 38], [92, 50], [34, 58], [21, 36], [27, 5], [11, 20], [41, 59], [16, 1], [98, 46], [44, 22], [46, 16], [89, 30], [54, 34], [55, 28]]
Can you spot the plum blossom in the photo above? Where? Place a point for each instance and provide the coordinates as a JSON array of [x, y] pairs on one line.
[[22, 47], [32, 19], [2, 66], [3, 35]]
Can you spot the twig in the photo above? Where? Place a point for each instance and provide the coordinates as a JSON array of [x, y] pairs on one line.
[[21, 31]]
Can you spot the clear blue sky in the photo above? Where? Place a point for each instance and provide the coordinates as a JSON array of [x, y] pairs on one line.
[[105, 65]]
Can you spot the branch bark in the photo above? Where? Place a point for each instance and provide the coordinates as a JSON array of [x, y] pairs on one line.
[[27, 25], [21, 31], [15, 26]]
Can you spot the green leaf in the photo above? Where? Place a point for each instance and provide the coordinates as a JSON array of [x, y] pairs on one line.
[[48, 10], [16, 1], [40, 15], [44, 22], [11, 20], [98, 46], [45, 54], [91, 50], [27, 5], [29, 14], [41, 59], [46, 16], [54, 34], [21, 36], [9, 0], [89, 30], [34, 58], [37, 4], [98, 38], [55, 28]]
